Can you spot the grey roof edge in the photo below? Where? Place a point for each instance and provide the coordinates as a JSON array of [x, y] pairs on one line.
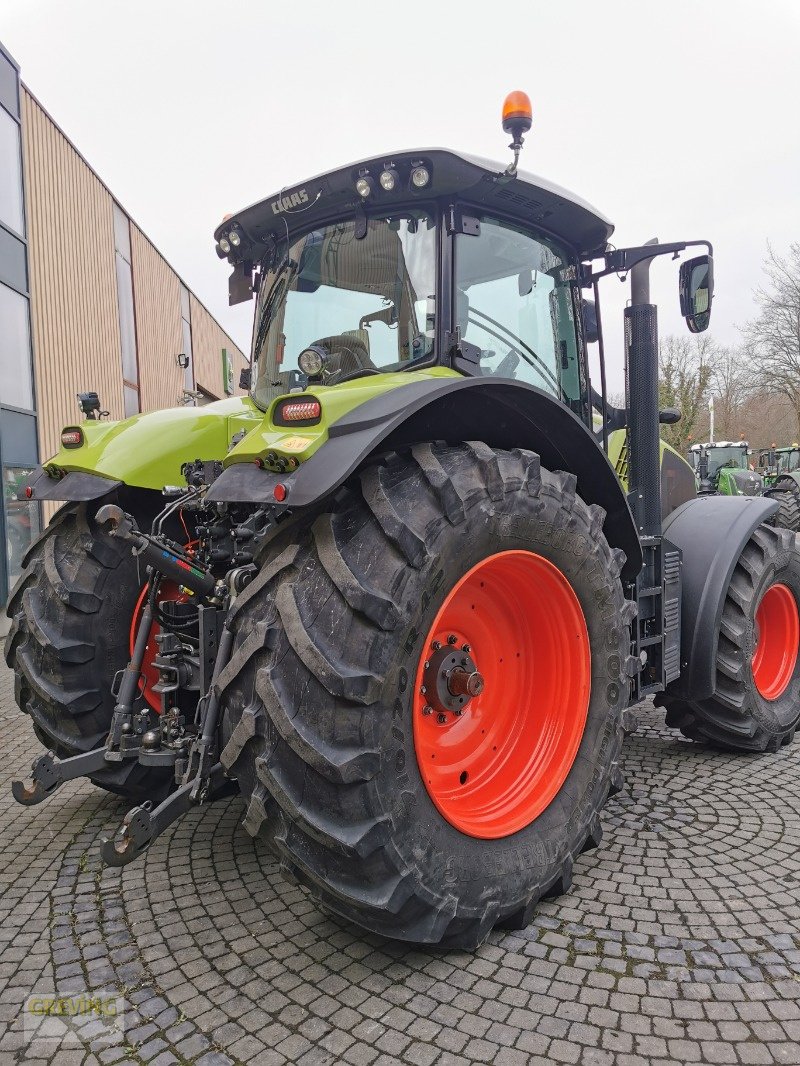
[[488, 166]]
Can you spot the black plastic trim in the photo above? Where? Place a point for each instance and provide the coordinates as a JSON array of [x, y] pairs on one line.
[[711, 531]]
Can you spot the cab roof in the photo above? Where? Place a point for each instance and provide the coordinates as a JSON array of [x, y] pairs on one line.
[[720, 444], [526, 198]]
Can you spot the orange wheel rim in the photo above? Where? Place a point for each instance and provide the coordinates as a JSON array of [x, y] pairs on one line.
[[502, 694], [777, 639]]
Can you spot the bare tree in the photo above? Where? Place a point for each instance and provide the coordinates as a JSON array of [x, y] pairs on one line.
[[731, 386], [686, 372], [773, 338]]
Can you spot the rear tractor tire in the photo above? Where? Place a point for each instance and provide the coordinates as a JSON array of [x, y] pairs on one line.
[[424, 705], [71, 614], [756, 705]]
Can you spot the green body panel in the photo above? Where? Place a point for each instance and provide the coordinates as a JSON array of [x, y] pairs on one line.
[[147, 451], [617, 454], [300, 442], [726, 484]]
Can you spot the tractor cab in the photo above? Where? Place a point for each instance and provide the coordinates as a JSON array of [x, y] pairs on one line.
[[415, 260]]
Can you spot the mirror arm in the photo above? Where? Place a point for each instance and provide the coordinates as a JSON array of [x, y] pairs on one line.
[[622, 260]]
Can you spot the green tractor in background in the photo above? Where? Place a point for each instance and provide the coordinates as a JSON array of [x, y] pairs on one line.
[[405, 594], [780, 469], [724, 467]]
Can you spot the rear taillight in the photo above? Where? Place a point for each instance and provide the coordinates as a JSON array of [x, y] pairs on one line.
[[294, 411], [72, 437]]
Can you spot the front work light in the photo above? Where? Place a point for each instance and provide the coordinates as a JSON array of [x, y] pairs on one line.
[[311, 362], [420, 177], [364, 186], [234, 238], [388, 179], [225, 244]]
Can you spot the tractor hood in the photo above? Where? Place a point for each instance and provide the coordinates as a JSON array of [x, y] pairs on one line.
[[147, 451]]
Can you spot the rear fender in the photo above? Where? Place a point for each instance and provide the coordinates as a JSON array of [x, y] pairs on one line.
[[501, 413], [711, 532], [785, 483]]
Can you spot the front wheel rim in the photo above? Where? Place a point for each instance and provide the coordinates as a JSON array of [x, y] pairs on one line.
[[777, 640], [502, 694]]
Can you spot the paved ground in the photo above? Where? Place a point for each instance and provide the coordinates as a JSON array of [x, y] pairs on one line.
[[680, 941]]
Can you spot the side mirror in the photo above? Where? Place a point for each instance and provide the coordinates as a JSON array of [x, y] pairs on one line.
[[696, 281], [245, 378], [668, 416], [183, 361]]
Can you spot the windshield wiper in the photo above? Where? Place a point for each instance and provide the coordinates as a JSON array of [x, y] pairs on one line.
[[284, 273], [527, 353]]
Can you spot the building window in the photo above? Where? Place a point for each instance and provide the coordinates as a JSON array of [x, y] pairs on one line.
[[16, 387], [21, 518], [127, 321], [11, 213]]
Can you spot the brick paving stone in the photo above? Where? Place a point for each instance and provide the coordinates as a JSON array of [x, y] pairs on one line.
[[679, 942]]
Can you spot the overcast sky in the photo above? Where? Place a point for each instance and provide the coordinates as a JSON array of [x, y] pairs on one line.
[[677, 119]]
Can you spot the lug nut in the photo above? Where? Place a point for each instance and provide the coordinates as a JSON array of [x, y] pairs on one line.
[[423, 690], [436, 645], [427, 709], [466, 648], [452, 638], [427, 665], [441, 719]]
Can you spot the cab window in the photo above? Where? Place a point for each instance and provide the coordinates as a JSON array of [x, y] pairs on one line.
[[515, 303]]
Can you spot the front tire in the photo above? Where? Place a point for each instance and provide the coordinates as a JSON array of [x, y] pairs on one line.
[[323, 725], [756, 705]]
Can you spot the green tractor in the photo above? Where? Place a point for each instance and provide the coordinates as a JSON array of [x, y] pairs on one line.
[[780, 469], [398, 596], [724, 467]]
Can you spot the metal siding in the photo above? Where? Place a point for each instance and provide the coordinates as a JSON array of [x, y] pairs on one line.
[[74, 310], [208, 340], [73, 283], [157, 299]]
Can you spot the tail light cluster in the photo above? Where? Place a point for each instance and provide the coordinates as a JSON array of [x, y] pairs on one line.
[[72, 437], [297, 413]]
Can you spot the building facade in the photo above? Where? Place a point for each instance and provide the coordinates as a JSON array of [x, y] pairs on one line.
[[87, 303]]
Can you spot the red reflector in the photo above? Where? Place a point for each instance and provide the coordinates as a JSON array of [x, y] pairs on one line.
[[279, 492], [299, 412], [28, 492], [72, 438]]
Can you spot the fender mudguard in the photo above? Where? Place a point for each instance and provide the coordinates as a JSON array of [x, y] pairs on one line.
[[711, 532], [75, 486], [785, 483], [500, 412]]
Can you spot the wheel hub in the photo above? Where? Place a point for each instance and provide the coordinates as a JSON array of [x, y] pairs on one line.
[[450, 680]]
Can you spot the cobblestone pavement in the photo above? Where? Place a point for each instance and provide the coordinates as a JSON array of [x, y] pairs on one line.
[[678, 943]]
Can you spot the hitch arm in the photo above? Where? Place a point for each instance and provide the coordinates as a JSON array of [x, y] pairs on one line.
[[142, 825], [49, 773]]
